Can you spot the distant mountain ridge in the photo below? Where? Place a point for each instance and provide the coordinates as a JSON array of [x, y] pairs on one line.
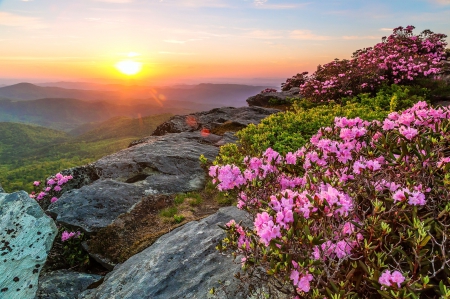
[[217, 95]]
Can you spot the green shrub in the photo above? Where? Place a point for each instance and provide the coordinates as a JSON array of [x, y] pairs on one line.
[[287, 131], [178, 218], [168, 212]]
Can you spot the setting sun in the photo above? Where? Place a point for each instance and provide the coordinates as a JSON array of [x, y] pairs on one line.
[[129, 67]]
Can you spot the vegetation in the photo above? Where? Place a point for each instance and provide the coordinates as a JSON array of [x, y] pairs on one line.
[[348, 191], [287, 131], [29, 153], [361, 211]]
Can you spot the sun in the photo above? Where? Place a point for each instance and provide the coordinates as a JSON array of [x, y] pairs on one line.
[[129, 67]]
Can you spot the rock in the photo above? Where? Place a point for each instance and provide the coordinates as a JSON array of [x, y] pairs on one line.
[[64, 284], [181, 264], [160, 165], [1, 189], [26, 237], [233, 119], [273, 99]]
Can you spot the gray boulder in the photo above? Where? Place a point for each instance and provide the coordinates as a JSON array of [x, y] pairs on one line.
[[1, 189], [232, 118], [26, 236], [64, 284], [160, 165], [181, 264], [273, 99]]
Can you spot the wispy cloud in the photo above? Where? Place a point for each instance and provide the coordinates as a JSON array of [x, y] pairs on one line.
[[9, 19], [264, 4], [265, 34], [197, 3], [175, 41], [355, 37], [307, 35], [115, 1], [259, 2], [441, 2], [174, 53], [386, 29]]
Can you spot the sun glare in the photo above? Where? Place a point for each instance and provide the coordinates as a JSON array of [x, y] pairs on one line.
[[129, 67]]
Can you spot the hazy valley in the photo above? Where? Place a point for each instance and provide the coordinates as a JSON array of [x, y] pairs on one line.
[[44, 129]]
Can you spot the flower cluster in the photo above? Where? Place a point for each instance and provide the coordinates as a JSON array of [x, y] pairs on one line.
[[267, 90], [52, 188], [69, 235], [359, 191], [399, 59]]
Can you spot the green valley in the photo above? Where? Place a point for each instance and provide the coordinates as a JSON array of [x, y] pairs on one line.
[[29, 153]]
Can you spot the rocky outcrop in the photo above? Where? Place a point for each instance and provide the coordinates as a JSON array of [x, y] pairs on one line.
[[64, 284], [181, 264], [1, 189], [165, 163], [160, 165], [26, 237], [234, 118], [273, 99]]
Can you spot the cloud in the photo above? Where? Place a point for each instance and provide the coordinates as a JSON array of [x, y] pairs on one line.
[[259, 2], [14, 20], [175, 41], [386, 29], [196, 3], [307, 35], [441, 2], [264, 34], [355, 37], [115, 1], [174, 53]]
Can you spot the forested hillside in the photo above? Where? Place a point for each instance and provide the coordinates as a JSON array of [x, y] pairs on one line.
[[29, 153]]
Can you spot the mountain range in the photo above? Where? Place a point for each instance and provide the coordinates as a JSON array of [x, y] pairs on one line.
[[67, 108]]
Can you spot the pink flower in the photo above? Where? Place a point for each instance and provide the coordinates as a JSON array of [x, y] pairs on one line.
[[54, 199], [66, 235], [36, 183], [57, 188], [51, 182], [397, 278], [385, 279], [408, 132]]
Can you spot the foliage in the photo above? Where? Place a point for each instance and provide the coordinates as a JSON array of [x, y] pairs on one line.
[[178, 218], [29, 152], [362, 211], [168, 212], [194, 198], [290, 130], [269, 90], [51, 190], [73, 251], [295, 81], [400, 58]]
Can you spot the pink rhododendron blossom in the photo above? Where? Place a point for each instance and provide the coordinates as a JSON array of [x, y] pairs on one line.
[[36, 183], [54, 199], [66, 235]]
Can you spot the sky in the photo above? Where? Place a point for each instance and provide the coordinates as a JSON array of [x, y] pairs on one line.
[[191, 41]]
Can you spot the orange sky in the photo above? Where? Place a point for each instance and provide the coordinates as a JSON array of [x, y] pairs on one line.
[[195, 40]]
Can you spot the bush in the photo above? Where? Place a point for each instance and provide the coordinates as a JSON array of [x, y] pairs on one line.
[[362, 211], [398, 59], [287, 131]]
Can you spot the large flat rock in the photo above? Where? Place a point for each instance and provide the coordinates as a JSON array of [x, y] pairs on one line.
[[64, 284], [26, 236], [161, 165], [211, 120], [181, 264]]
